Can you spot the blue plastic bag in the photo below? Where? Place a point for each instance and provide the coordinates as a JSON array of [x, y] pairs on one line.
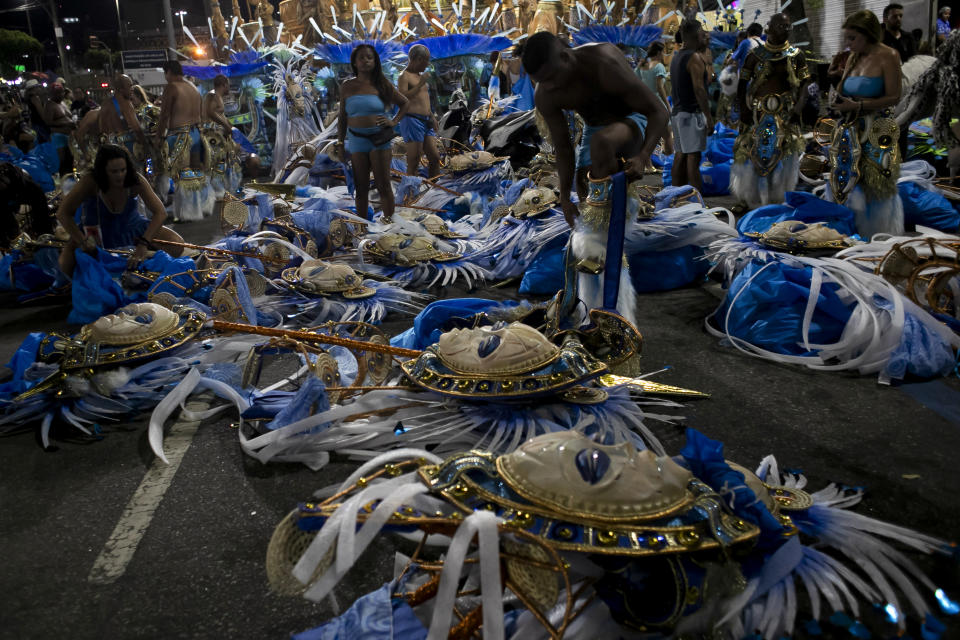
[[430, 323], [769, 311], [665, 270], [719, 149], [927, 208], [716, 178], [6, 261], [544, 276]]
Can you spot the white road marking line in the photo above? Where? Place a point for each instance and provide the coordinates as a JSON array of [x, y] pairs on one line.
[[120, 547]]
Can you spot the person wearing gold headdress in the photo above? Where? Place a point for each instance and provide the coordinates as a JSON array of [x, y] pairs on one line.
[[864, 158], [771, 95]]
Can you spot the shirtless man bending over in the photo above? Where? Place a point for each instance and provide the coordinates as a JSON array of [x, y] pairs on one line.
[[623, 117], [118, 119], [419, 126]]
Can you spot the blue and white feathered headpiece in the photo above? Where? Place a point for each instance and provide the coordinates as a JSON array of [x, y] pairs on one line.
[[630, 36], [340, 53], [248, 56], [461, 44], [253, 88], [723, 40]]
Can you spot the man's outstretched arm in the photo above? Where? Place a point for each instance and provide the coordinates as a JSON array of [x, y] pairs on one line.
[[557, 125]]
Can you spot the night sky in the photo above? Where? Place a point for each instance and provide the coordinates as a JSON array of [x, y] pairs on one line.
[[99, 18]]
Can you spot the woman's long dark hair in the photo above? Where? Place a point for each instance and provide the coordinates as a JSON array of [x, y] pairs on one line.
[[379, 81], [107, 153]]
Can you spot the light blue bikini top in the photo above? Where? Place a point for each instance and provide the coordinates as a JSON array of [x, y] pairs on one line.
[[863, 86], [364, 104]]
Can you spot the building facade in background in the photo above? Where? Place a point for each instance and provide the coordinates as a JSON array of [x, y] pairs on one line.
[[827, 16]]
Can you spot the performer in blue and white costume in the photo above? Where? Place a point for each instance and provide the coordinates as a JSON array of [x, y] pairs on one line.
[[864, 157], [182, 147], [767, 151], [622, 117]]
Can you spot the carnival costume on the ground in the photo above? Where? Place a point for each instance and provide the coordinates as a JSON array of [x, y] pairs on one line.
[[492, 386], [578, 539], [820, 312], [767, 153], [417, 260], [518, 238], [667, 251], [115, 367], [923, 268], [319, 291], [478, 172]]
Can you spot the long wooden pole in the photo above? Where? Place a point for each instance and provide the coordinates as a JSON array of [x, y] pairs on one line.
[[308, 336], [198, 247]]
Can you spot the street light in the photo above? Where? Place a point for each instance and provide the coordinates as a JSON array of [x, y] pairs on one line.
[[181, 14]]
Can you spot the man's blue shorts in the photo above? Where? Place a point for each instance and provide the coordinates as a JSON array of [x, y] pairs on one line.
[[583, 150], [60, 140], [416, 128]]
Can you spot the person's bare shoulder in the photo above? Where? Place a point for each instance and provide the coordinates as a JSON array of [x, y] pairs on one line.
[[349, 86], [890, 54]]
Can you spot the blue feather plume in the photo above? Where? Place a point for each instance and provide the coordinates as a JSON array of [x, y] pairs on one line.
[[248, 56], [630, 36], [340, 53], [462, 44], [723, 40]]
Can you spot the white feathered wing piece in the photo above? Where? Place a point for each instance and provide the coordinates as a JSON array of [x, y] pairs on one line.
[[873, 335], [865, 566], [387, 419]]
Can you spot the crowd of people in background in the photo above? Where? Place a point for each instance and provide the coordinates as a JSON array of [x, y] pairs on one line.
[[678, 78]]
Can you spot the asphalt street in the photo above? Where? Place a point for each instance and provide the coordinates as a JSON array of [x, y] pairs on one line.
[[197, 570]]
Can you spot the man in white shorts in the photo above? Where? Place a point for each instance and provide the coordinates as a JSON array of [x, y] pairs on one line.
[[691, 119]]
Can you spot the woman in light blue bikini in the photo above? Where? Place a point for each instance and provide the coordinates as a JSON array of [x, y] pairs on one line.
[[864, 158], [365, 126]]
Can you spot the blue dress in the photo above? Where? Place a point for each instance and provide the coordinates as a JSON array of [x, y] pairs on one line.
[[116, 229]]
